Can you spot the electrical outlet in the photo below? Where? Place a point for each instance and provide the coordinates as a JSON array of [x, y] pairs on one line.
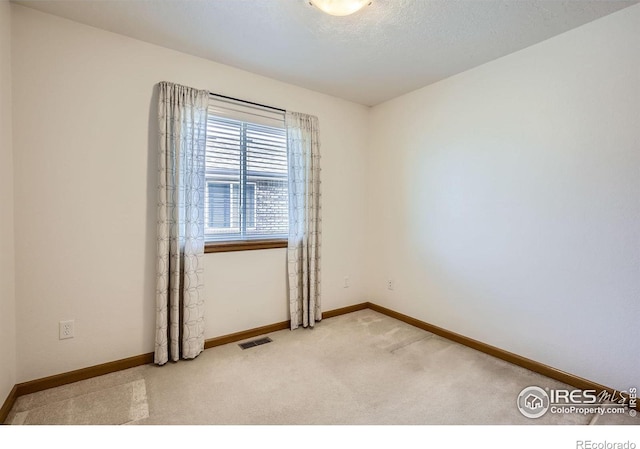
[[66, 329], [390, 284], [347, 282]]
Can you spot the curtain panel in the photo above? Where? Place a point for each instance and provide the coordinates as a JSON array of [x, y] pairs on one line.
[[182, 119], [305, 219]]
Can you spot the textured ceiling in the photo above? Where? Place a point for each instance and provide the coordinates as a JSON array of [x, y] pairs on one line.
[[389, 48]]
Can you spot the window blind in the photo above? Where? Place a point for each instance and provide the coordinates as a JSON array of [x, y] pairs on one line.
[[246, 193]]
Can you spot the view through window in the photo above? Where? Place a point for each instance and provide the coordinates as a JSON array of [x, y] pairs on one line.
[[246, 193]]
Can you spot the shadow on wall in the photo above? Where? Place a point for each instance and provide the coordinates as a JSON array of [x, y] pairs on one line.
[[149, 302]]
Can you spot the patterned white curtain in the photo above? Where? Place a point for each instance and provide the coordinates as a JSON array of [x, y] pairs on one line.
[[305, 219], [182, 116]]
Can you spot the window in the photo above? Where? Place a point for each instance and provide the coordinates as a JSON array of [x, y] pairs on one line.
[[246, 195]]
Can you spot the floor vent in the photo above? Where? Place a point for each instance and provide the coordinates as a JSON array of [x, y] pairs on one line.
[[252, 343]]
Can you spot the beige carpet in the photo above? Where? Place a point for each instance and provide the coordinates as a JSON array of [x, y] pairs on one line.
[[360, 368], [121, 404]]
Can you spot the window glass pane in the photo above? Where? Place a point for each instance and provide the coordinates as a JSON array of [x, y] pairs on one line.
[[246, 171], [251, 205], [272, 207], [265, 153], [220, 205]]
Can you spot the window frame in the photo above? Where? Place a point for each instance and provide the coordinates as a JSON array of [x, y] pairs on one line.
[[239, 244], [244, 245]]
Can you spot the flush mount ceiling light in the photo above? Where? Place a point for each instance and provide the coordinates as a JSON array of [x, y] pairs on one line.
[[340, 7]]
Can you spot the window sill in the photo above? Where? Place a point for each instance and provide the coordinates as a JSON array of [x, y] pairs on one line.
[[243, 245]]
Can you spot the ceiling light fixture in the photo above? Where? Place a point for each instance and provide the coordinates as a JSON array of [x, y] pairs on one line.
[[340, 7]]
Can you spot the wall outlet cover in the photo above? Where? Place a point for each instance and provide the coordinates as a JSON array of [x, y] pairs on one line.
[[66, 329]]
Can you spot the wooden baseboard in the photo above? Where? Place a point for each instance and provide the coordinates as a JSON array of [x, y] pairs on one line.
[[243, 335], [83, 374], [344, 310], [70, 377], [8, 404], [545, 370]]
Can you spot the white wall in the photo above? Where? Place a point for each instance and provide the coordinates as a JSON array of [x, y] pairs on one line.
[[7, 266], [85, 176], [506, 201]]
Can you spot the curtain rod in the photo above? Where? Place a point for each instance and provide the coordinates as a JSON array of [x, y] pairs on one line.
[[248, 102]]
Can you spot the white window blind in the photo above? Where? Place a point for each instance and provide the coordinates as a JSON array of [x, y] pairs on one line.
[[246, 193]]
